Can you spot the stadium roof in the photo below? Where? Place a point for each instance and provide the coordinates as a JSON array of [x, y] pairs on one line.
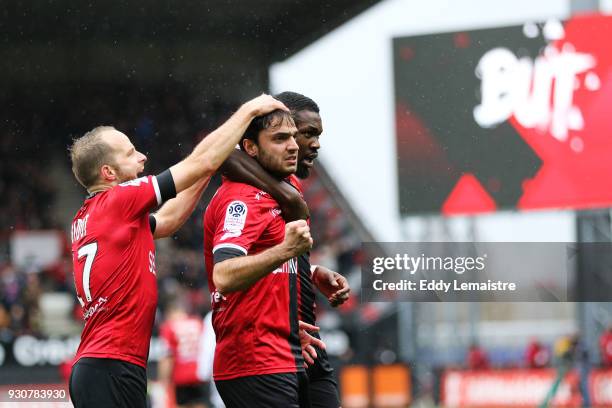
[[277, 28]]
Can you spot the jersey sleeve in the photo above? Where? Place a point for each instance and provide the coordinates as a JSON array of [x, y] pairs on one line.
[[137, 197], [240, 222]]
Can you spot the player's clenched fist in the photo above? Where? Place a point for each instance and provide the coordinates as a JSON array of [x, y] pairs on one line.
[[297, 237]]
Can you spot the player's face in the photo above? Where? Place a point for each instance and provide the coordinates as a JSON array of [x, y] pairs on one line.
[[128, 161], [309, 128], [277, 150]]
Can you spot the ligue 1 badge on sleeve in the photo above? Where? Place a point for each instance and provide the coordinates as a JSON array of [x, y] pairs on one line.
[[237, 209], [235, 218]]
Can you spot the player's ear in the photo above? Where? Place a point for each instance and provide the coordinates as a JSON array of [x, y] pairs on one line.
[[108, 173], [250, 147]]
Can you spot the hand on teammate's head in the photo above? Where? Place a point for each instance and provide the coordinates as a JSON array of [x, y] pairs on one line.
[[264, 104]]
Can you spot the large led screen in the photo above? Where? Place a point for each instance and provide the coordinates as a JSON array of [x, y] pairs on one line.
[[507, 118]]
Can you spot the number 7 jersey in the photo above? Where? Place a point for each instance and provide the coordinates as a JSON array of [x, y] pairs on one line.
[[113, 257]]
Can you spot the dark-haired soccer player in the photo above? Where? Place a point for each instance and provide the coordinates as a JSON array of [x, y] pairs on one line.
[[114, 255], [251, 260], [322, 388]]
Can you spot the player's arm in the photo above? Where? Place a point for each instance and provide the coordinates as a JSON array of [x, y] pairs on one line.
[[242, 168], [233, 272], [173, 214], [331, 284], [212, 151], [166, 362], [164, 370]]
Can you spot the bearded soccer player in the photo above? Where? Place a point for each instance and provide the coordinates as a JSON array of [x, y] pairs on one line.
[[251, 260], [322, 387], [114, 255]]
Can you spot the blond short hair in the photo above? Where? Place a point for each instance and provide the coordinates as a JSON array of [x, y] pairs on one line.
[[88, 153]]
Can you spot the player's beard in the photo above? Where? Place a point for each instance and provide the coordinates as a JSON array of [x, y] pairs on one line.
[[273, 164], [124, 176]]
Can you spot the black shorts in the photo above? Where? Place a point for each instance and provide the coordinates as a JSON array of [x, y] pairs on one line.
[[287, 390], [322, 386], [191, 394], [104, 382]]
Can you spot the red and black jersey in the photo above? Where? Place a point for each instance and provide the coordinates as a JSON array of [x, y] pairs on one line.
[[256, 329], [322, 384], [113, 257], [306, 292]]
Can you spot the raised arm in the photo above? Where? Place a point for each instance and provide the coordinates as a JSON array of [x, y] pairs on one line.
[[173, 214], [239, 273], [242, 168], [212, 151]]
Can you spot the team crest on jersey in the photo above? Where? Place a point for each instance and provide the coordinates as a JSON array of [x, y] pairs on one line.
[[235, 218], [135, 182]]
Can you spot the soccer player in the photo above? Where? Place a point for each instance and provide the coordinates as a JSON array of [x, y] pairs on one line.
[[114, 255], [177, 370], [250, 256], [322, 387]]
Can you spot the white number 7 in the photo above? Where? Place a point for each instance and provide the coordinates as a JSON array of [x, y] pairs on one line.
[[89, 251]]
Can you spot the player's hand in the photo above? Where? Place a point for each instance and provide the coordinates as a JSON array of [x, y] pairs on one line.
[[263, 104], [307, 342], [297, 238], [332, 285]]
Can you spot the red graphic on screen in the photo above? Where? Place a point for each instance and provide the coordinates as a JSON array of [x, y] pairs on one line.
[[575, 146], [468, 197], [576, 172]]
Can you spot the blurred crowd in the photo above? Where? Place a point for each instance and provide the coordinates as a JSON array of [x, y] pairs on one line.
[[566, 350], [25, 185]]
